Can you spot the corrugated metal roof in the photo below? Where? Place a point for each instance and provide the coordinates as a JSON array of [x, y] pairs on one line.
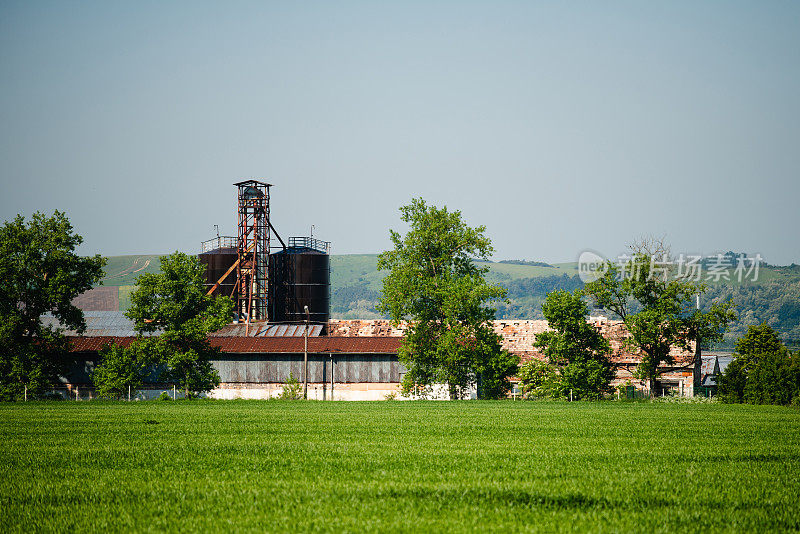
[[116, 324], [317, 345], [100, 324], [268, 330]]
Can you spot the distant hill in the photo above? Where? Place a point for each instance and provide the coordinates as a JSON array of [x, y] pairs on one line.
[[123, 270], [356, 284]]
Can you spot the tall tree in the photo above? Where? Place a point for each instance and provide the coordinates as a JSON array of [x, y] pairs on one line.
[[40, 273], [656, 303], [434, 282], [576, 347], [174, 304], [763, 370]]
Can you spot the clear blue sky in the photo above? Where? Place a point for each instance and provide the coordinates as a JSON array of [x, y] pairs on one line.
[[560, 126]]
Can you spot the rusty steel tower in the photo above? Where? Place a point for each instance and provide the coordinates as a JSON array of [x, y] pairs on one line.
[[252, 269]]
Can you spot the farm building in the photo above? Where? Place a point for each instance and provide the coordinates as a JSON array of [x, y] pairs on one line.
[[712, 364], [278, 286], [356, 360]]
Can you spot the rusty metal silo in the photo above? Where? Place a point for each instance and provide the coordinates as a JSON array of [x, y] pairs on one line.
[[219, 255], [300, 276]]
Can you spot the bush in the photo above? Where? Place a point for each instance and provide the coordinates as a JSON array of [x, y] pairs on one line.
[[538, 379], [120, 369], [291, 390]]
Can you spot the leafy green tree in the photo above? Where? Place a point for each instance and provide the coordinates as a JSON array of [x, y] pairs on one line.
[[769, 381], [41, 273], [733, 381], [121, 368], [434, 282], [657, 306], [576, 347], [760, 339], [539, 379], [763, 371], [174, 304]]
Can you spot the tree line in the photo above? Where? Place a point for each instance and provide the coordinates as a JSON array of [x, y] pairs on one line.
[[432, 280]]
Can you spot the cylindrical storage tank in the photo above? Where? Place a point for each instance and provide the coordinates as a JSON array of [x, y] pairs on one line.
[[217, 263], [299, 277]]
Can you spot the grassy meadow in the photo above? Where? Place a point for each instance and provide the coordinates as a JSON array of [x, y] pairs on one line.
[[274, 466]]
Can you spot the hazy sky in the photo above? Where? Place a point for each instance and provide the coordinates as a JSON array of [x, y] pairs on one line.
[[561, 126]]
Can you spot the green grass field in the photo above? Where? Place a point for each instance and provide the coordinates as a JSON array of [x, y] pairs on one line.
[[398, 466]]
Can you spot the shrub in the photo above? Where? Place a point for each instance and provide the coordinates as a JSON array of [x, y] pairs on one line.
[[538, 379], [291, 390], [120, 369]]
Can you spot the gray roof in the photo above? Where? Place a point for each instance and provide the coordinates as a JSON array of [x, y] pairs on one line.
[[268, 330], [724, 361], [100, 324], [115, 324]]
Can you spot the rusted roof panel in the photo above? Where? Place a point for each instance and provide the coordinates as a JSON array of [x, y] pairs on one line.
[[102, 298], [708, 364], [322, 344], [95, 343], [318, 345]]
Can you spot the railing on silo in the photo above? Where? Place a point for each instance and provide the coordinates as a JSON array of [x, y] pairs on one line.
[[309, 242], [217, 243]]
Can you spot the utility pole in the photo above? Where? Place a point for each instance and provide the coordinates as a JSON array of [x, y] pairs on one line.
[[305, 358], [698, 357]]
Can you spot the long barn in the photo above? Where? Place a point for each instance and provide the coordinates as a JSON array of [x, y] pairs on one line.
[[356, 360]]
